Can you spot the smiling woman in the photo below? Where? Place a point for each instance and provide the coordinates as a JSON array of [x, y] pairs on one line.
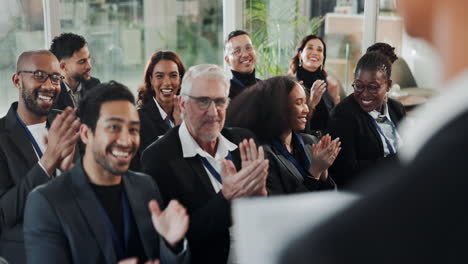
[[276, 111], [366, 121]]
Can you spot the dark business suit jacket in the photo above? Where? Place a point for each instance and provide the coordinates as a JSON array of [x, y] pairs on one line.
[[64, 222], [413, 213], [285, 178], [361, 144], [20, 172], [65, 100], [187, 181], [152, 126]]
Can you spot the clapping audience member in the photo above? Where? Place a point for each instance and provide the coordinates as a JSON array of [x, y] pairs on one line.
[[366, 121], [157, 98], [200, 164], [416, 215], [75, 64], [276, 111], [30, 149], [99, 212], [308, 65], [239, 54]]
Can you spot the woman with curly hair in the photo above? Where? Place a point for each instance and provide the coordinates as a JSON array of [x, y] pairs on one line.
[[276, 111]]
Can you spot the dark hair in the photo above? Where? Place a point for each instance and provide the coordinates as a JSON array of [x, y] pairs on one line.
[[90, 106], [234, 34], [375, 61], [294, 63], [66, 44], [263, 108], [146, 92], [385, 49]]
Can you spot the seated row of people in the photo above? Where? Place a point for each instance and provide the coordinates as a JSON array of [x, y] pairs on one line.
[[199, 162]]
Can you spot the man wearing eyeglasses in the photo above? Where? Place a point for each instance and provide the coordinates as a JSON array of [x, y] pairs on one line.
[[30, 152], [200, 164], [240, 55], [75, 64]]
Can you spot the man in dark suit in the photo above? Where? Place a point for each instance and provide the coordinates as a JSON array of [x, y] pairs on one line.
[[199, 164], [98, 212], [240, 55], [75, 63], [30, 153], [417, 214]]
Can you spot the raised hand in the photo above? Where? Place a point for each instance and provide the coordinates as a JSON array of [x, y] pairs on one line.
[[316, 93], [62, 137], [249, 181], [249, 152], [176, 110], [323, 155], [172, 223]]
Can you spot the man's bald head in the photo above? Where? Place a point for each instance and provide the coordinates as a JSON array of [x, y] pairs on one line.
[[25, 58]]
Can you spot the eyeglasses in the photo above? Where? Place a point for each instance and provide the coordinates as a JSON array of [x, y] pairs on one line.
[[372, 88], [238, 51], [204, 102], [41, 76]]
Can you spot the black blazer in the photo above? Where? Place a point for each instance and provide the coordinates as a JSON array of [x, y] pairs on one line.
[[361, 145], [414, 213], [285, 178], [236, 89], [152, 124], [20, 172], [63, 221], [65, 100], [187, 181]]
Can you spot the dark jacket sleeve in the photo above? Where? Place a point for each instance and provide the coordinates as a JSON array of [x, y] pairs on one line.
[[44, 240], [13, 195]]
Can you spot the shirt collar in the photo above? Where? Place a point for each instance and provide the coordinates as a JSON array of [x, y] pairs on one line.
[[78, 89], [161, 110], [429, 118], [376, 114], [190, 147]]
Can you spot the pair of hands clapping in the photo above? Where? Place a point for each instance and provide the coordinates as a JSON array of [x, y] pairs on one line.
[[323, 155]]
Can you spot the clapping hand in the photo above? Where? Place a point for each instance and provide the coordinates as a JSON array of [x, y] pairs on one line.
[[323, 155], [172, 223], [316, 92]]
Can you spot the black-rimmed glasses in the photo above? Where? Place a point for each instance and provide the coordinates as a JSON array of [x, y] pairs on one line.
[[42, 76], [372, 88], [204, 102]]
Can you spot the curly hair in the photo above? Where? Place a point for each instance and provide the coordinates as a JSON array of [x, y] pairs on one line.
[[66, 44], [263, 108], [385, 49], [146, 92], [375, 61], [294, 63]]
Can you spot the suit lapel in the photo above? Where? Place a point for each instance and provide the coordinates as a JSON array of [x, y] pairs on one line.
[[19, 137], [200, 172], [92, 212], [155, 116], [141, 215], [289, 166]]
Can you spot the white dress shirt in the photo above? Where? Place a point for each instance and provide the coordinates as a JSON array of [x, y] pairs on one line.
[[163, 113], [190, 148]]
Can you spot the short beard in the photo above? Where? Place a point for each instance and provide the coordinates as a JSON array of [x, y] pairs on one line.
[[31, 104], [79, 77], [101, 160]]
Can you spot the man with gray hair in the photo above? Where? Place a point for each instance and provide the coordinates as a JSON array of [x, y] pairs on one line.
[[199, 163]]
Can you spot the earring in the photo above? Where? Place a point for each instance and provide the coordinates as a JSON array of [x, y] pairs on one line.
[[321, 67], [300, 62]]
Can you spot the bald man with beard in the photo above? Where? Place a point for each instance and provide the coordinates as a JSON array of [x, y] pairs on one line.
[[31, 151]]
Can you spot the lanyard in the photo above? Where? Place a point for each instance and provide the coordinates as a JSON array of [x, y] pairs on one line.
[[389, 146], [119, 247], [30, 136], [212, 170], [282, 149]]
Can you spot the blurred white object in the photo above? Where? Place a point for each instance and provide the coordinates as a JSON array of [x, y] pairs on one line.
[[396, 91], [263, 226]]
